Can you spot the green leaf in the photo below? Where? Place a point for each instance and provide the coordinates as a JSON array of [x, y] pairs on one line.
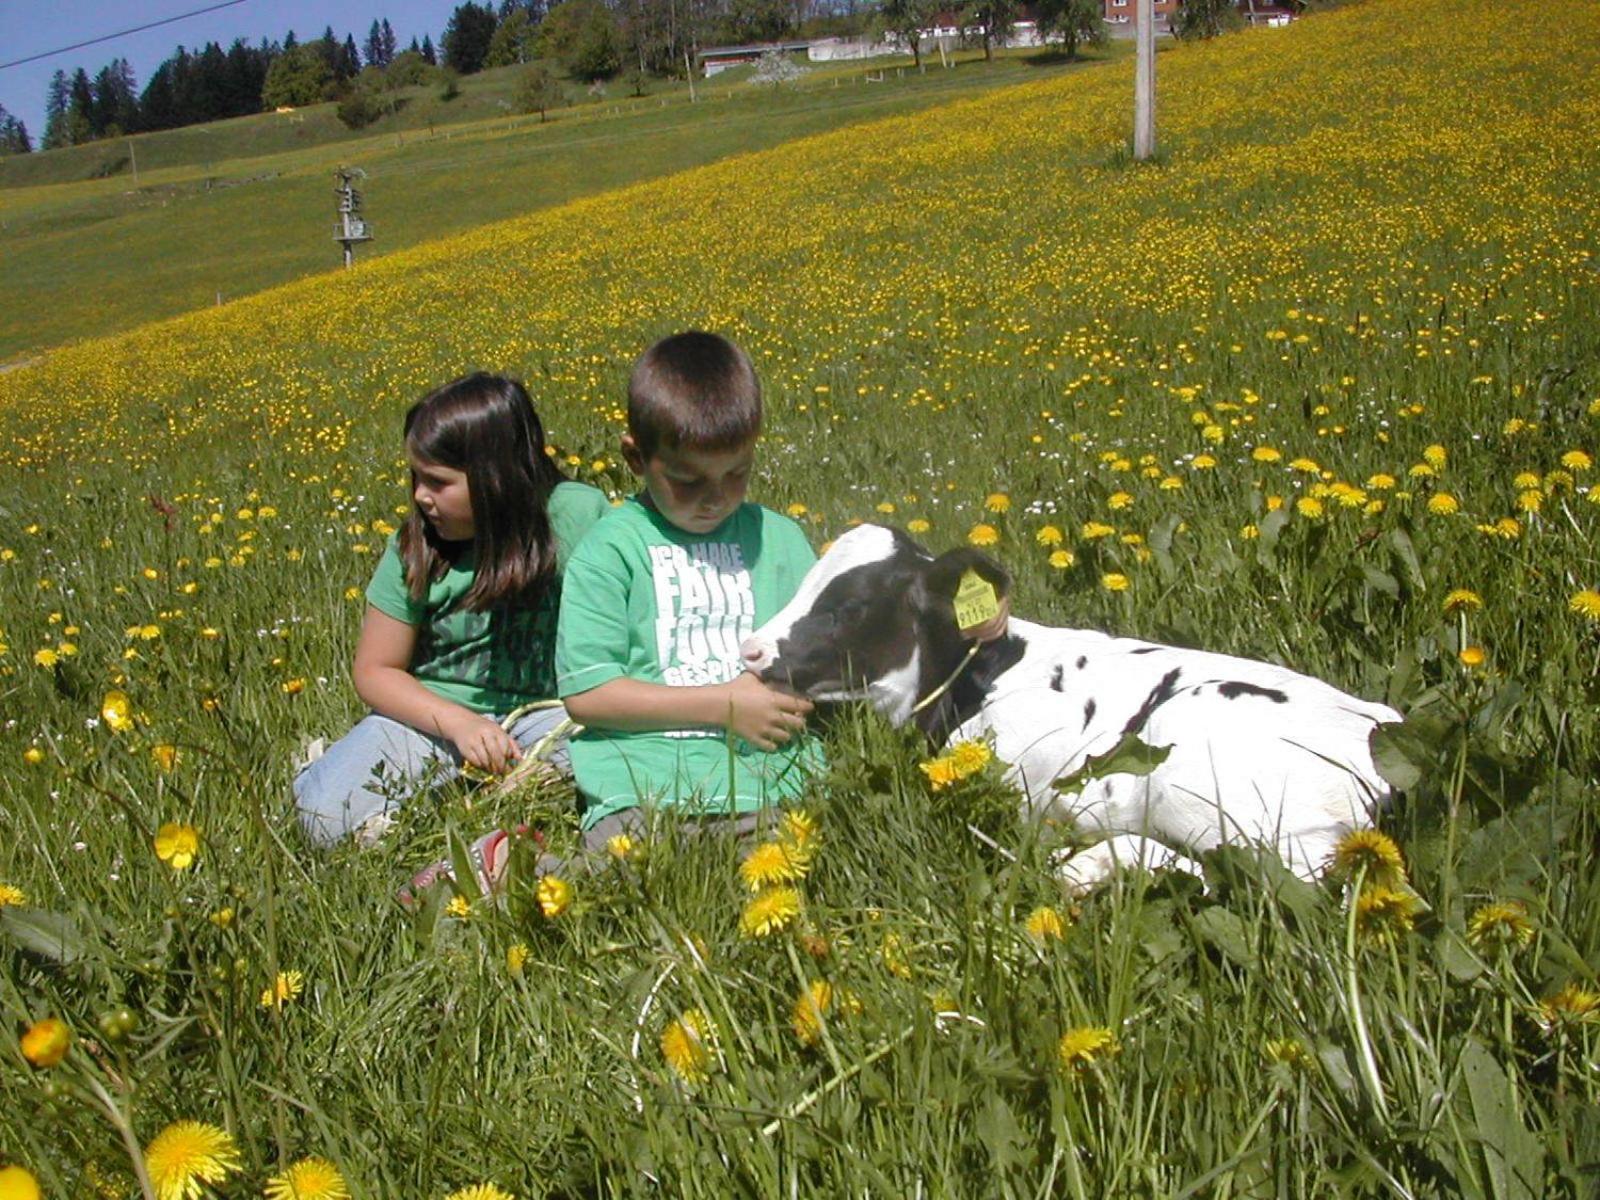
[[1381, 580], [1405, 554], [51, 935], [1268, 531], [1224, 932], [999, 1131], [1129, 756], [1512, 1155], [1404, 753]]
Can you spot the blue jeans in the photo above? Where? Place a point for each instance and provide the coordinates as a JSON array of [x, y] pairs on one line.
[[380, 763]]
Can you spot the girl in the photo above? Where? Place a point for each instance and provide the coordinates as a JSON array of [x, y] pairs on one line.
[[461, 612]]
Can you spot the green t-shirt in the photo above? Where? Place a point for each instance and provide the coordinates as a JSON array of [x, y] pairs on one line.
[[644, 600], [495, 660]]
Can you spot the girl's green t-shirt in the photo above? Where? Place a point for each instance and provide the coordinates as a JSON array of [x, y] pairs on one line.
[[496, 660]]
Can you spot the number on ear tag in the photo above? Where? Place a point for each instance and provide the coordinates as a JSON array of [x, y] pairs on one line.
[[976, 602]]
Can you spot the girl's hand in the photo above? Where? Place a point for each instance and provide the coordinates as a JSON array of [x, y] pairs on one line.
[[483, 743]]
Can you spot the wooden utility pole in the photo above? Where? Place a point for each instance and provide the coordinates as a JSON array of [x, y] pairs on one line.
[[351, 227], [1144, 82]]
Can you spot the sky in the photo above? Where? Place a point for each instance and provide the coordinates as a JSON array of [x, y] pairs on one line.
[[30, 27]]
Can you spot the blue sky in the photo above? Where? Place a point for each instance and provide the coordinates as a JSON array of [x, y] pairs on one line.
[[29, 27]]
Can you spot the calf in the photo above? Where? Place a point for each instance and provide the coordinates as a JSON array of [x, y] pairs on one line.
[[1252, 752]]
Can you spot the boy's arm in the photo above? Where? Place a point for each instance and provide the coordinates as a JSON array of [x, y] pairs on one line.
[[762, 716]]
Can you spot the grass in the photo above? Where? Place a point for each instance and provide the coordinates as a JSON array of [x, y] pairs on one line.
[[1321, 387], [225, 210]]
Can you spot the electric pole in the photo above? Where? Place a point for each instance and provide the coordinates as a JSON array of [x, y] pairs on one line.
[[1144, 81], [350, 228]]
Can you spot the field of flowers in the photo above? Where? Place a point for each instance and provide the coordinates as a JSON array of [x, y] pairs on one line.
[[1320, 386]]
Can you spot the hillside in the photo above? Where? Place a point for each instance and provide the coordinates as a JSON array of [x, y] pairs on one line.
[[220, 211]]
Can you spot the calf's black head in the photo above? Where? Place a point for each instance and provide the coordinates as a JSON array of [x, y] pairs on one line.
[[875, 620]]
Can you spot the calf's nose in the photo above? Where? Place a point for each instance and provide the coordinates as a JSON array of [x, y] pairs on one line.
[[757, 654]]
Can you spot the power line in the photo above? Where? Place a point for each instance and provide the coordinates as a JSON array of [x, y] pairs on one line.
[[123, 33]]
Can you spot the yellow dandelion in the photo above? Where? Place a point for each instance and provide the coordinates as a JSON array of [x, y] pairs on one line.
[[284, 989], [17, 1183], [1585, 604], [1114, 581], [1383, 913], [1045, 924], [970, 756], [308, 1179], [1085, 1047], [188, 1154], [1530, 501], [768, 864], [46, 1042], [802, 830], [1062, 559], [997, 502], [33, 756], [1576, 460], [1443, 504], [1572, 1005], [1291, 1052], [45, 658], [1308, 466], [805, 1018], [769, 912], [1048, 535], [1436, 456], [177, 845], [165, 756], [686, 1046], [12, 896], [1266, 454], [1462, 600], [885, 507], [620, 846], [481, 1191], [293, 687], [1309, 507], [1381, 482], [1500, 925], [1372, 850], [516, 959], [983, 535], [554, 895], [1118, 501], [1093, 530], [796, 510], [459, 907], [895, 959], [1471, 657], [917, 525]]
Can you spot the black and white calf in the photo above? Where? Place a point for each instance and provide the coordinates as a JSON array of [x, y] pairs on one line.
[[1256, 753]]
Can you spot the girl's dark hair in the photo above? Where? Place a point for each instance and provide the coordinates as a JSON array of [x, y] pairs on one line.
[[485, 425]]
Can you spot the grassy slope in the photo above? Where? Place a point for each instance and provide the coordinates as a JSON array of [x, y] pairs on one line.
[[228, 209], [1243, 363]]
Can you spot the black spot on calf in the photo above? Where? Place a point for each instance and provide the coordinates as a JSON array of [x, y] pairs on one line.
[[1235, 688], [1088, 711], [1159, 695], [1055, 677], [1083, 661]]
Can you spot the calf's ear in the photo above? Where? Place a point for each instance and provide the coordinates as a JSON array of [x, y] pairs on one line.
[[975, 588]]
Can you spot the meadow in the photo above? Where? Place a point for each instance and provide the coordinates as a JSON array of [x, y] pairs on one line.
[[1321, 385], [227, 209]]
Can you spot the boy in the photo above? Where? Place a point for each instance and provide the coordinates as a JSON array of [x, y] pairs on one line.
[[658, 597]]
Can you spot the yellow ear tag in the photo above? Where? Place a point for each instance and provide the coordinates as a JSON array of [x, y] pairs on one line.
[[976, 602]]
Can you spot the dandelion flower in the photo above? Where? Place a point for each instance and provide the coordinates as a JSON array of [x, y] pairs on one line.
[[480, 1191], [796, 510], [1381, 482], [1500, 925], [895, 960], [1062, 559], [686, 1046], [1462, 599], [1586, 604], [1118, 501], [554, 896], [1443, 504], [1114, 581], [1291, 1052], [516, 959], [116, 711], [1572, 1005], [1576, 460], [769, 912], [1049, 535], [917, 525], [620, 846], [187, 1154], [983, 535], [46, 658], [177, 845], [809, 1009], [1471, 657], [12, 896], [1436, 456], [1085, 1046], [769, 863], [308, 1179], [997, 502], [33, 756], [46, 1043], [800, 827], [1375, 851], [17, 1183], [285, 988], [1530, 501], [1093, 530], [459, 907], [1045, 924], [1384, 913], [1266, 454], [1309, 507]]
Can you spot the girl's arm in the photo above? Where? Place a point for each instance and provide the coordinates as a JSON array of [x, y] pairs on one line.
[[383, 679]]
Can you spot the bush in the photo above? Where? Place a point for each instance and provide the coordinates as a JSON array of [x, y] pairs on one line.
[[358, 108], [538, 90]]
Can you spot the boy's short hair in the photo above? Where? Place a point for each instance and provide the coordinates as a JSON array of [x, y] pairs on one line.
[[693, 390]]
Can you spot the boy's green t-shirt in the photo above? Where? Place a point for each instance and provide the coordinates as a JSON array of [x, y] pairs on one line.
[[491, 661], [644, 600]]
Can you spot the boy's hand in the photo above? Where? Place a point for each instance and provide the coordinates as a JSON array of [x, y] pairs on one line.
[[482, 742], [762, 715]]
